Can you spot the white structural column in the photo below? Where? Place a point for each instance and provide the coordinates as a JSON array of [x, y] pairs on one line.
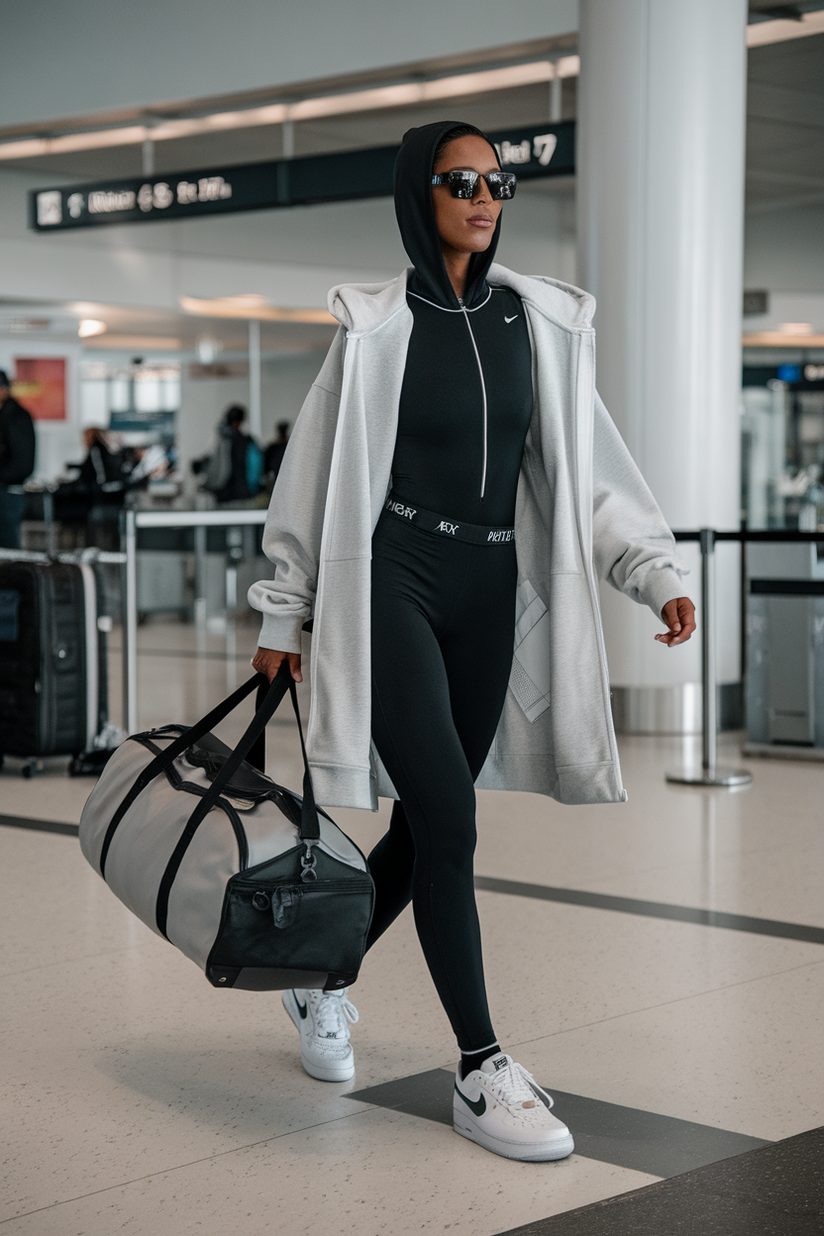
[[660, 188]]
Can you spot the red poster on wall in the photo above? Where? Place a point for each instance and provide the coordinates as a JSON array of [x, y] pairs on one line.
[[40, 385]]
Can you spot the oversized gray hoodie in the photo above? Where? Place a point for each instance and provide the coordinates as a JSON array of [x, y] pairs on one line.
[[583, 511]]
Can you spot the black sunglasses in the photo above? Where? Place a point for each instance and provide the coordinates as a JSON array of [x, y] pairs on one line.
[[465, 184]]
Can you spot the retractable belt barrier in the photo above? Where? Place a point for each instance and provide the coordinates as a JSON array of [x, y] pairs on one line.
[[711, 774]]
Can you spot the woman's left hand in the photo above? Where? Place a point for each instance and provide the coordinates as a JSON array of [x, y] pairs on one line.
[[679, 616]]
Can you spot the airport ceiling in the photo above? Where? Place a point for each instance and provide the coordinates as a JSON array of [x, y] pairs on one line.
[[352, 130], [785, 124], [785, 163], [499, 109], [785, 118]]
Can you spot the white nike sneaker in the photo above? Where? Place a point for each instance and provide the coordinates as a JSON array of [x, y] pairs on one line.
[[498, 1107], [321, 1018]]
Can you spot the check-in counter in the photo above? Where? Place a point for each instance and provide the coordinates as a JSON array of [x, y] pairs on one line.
[[785, 646], [175, 565]]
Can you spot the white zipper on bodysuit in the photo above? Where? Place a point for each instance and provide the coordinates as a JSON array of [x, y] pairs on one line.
[[483, 389], [463, 309]]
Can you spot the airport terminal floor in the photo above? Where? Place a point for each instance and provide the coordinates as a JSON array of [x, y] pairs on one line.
[[658, 966]]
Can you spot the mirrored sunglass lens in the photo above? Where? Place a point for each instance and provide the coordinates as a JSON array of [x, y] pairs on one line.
[[463, 183], [501, 185]]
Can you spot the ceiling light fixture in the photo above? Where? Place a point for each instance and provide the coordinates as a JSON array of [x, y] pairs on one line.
[[404, 95], [208, 349], [761, 32], [145, 345], [253, 307], [796, 328], [30, 148], [87, 327], [780, 339], [19, 325]]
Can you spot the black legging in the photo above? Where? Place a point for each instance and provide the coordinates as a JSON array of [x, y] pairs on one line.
[[443, 615]]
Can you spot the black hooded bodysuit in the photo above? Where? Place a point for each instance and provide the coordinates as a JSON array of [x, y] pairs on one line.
[[443, 610]]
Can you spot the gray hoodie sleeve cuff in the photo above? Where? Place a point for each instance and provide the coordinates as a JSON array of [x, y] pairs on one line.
[[281, 632], [663, 586]]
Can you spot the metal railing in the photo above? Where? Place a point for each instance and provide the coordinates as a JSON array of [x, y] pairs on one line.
[[711, 773], [90, 555]]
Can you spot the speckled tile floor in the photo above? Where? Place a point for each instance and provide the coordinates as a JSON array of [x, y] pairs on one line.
[[135, 1097]]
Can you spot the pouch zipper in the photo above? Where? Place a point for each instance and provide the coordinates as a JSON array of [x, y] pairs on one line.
[[483, 390], [356, 884]]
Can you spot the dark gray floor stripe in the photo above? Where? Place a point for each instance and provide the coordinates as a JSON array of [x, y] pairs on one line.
[[774, 1191], [625, 1136], [655, 909], [38, 826], [568, 896], [428, 1095]]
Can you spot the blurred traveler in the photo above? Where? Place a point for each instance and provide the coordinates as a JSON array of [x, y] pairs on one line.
[[234, 469], [96, 495], [16, 462], [275, 451]]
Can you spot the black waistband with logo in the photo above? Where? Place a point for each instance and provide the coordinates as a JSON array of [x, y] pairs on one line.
[[441, 525]]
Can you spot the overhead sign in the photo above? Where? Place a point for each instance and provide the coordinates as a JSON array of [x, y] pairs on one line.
[[548, 150]]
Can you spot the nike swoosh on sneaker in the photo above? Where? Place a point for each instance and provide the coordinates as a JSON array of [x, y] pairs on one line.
[[301, 1007], [478, 1106], [512, 319]]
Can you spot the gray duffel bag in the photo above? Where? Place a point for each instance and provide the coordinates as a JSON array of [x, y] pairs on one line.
[[252, 882]]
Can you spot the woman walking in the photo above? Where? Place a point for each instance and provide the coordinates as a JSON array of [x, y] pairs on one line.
[[451, 489]]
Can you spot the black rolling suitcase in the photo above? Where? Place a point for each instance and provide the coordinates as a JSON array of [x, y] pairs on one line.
[[53, 673]]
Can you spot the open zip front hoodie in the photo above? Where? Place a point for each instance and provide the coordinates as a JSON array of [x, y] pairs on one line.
[[583, 511]]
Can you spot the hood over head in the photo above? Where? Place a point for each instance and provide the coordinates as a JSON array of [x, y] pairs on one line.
[[416, 219]]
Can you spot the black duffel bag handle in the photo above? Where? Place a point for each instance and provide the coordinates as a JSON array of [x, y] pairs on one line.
[[268, 700], [253, 744], [309, 823]]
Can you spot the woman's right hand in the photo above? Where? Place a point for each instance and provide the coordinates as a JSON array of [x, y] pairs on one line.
[[268, 661]]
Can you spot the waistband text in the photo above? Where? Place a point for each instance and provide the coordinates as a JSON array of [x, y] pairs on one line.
[[398, 508]]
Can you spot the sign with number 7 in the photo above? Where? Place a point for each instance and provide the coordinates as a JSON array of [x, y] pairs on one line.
[[543, 147]]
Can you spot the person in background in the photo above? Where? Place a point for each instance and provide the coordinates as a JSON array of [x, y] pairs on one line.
[[95, 497], [275, 451], [233, 471], [16, 462], [101, 472]]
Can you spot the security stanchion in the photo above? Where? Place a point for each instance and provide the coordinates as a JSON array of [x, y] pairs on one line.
[[129, 628], [711, 774], [48, 519]]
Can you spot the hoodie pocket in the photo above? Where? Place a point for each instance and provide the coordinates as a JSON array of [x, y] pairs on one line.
[[529, 679]]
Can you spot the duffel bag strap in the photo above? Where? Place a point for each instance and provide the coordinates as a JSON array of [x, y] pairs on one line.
[[268, 699], [310, 824], [188, 738]]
